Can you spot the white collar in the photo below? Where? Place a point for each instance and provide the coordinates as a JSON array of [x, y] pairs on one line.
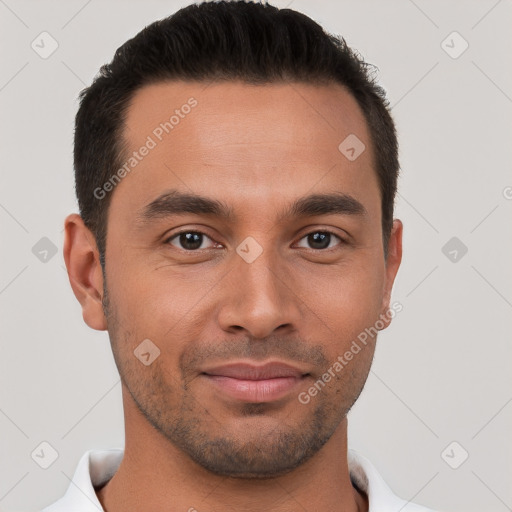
[[97, 467]]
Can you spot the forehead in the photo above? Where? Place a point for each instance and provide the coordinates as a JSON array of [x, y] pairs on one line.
[[270, 110], [263, 141]]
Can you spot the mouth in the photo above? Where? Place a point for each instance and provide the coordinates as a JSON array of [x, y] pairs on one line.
[[255, 384]]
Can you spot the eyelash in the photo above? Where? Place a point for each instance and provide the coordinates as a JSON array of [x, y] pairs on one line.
[[341, 240]]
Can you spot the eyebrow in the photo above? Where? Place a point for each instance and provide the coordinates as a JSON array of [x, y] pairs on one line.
[[174, 202]]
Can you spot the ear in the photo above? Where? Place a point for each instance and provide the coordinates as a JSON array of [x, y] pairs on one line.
[[392, 264], [84, 270]]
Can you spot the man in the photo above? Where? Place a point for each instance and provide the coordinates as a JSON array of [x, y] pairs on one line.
[[235, 169]]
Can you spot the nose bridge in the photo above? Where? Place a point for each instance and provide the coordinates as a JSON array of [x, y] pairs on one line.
[[260, 300], [258, 278]]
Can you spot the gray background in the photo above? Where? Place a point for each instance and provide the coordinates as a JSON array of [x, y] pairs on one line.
[[442, 370]]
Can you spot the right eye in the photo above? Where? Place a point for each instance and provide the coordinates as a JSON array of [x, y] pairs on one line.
[[188, 240]]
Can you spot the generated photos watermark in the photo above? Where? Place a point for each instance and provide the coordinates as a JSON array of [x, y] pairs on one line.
[[356, 347], [152, 141]]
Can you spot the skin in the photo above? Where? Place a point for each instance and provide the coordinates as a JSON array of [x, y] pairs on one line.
[[257, 149]]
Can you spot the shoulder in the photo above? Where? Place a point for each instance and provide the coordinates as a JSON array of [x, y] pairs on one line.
[[381, 498], [94, 468]]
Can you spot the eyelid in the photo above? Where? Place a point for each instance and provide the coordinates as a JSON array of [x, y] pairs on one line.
[[325, 228]]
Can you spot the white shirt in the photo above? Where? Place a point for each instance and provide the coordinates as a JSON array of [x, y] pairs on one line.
[[97, 467]]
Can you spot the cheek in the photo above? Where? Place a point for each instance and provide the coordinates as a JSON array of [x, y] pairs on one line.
[[160, 305], [145, 296], [347, 296]]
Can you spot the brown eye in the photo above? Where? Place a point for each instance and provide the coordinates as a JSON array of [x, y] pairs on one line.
[[188, 240], [321, 240]]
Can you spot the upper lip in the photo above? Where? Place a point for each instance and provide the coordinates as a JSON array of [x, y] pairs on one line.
[[245, 371]]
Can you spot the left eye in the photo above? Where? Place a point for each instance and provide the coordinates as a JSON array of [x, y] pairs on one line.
[[320, 239]]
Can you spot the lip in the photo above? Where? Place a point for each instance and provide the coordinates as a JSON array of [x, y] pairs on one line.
[[246, 371], [249, 383]]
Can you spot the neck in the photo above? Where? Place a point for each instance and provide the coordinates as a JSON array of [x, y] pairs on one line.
[[156, 473]]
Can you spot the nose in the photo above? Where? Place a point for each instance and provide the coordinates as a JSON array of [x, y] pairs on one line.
[[259, 298]]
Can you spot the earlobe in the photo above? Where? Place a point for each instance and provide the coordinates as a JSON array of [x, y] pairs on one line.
[[84, 270], [392, 265]]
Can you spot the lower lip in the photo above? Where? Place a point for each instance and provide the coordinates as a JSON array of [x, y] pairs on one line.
[[255, 391]]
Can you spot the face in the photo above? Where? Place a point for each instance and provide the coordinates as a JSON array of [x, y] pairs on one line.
[[241, 277]]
